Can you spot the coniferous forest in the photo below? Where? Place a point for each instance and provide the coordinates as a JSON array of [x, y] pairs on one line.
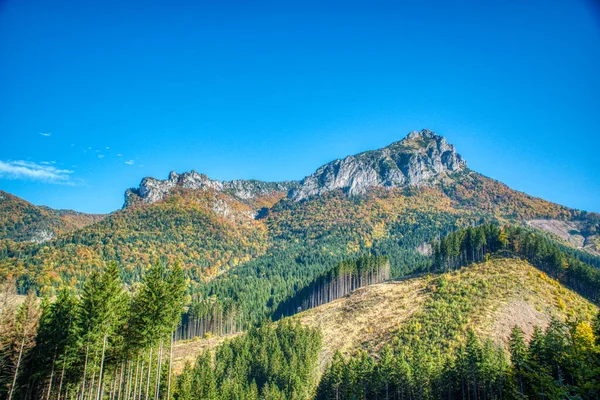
[[100, 342], [112, 340]]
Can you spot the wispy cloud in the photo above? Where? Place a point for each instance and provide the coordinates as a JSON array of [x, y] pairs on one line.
[[34, 171], [100, 155], [130, 162], [119, 155], [46, 134]]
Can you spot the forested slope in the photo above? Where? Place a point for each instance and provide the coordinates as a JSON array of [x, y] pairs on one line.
[[23, 221], [207, 232], [475, 332]]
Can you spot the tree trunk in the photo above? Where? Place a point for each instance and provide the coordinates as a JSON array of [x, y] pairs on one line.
[[87, 352], [123, 366], [158, 365], [101, 369], [51, 375], [62, 375], [135, 387], [14, 382], [148, 381], [170, 366]]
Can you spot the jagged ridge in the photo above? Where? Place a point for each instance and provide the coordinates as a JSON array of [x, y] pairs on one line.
[[152, 190], [419, 159]]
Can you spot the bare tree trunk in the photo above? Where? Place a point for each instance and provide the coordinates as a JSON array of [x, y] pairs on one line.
[[128, 390], [87, 352], [148, 380], [91, 392], [158, 367], [14, 382], [51, 375], [137, 365], [170, 367], [141, 383], [101, 369], [123, 366], [62, 375]]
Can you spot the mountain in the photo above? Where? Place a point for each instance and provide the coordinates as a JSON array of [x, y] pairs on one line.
[[24, 222], [422, 158], [274, 237]]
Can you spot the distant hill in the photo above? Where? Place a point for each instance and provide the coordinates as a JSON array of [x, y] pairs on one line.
[[22, 221]]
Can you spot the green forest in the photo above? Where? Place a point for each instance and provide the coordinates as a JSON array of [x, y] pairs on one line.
[[114, 340]]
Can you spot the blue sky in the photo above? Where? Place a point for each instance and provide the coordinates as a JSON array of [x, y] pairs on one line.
[[96, 95]]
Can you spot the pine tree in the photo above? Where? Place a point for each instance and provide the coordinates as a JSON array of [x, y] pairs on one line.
[[518, 357]]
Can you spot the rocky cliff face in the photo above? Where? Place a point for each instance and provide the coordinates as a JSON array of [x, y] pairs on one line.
[[421, 158], [152, 190]]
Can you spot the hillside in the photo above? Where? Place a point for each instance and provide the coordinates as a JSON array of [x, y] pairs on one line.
[[583, 234], [22, 221], [490, 297], [206, 231]]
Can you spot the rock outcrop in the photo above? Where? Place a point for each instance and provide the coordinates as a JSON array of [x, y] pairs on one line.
[[152, 190], [421, 158]]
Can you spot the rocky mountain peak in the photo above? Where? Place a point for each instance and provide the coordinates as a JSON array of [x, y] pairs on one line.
[[421, 158], [152, 190]]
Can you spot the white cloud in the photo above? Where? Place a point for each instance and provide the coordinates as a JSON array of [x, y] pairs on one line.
[[46, 134], [100, 155], [35, 171], [130, 162], [107, 148], [119, 155]]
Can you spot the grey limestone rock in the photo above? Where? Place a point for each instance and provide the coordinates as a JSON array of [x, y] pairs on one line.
[[420, 159], [152, 190]]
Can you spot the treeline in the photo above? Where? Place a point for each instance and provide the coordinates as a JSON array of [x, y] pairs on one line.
[[104, 342], [466, 246], [274, 361], [561, 363], [474, 244], [223, 317], [547, 256], [209, 316], [306, 252], [344, 278]]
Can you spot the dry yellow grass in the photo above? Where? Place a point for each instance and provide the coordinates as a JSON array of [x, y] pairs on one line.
[[521, 295], [366, 318], [189, 350], [369, 318]]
